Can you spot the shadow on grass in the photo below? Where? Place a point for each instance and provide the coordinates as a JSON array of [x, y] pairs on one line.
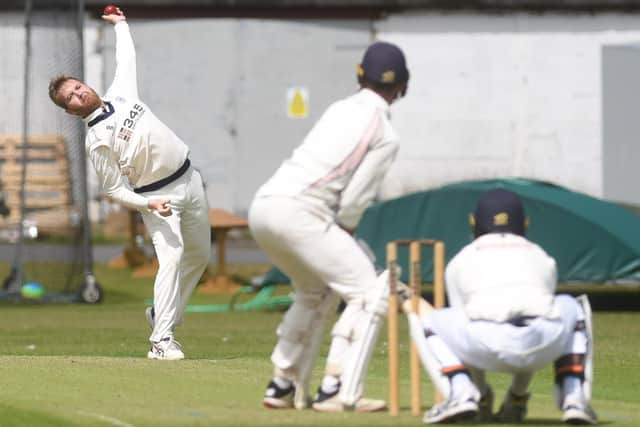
[[12, 416]]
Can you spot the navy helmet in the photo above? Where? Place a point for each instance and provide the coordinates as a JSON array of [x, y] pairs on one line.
[[498, 211], [384, 63]]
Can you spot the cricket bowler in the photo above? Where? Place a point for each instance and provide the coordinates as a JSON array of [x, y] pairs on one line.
[[143, 165]]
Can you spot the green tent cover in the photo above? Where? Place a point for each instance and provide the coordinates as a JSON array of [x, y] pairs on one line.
[[591, 240]]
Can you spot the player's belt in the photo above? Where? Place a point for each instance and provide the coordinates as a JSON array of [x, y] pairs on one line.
[[522, 320], [164, 181]]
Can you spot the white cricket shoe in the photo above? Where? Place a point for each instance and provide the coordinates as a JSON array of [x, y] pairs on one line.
[[150, 314], [166, 349], [330, 402], [574, 412], [456, 408]]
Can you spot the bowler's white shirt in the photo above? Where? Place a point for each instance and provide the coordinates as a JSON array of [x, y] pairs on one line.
[[501, 276], [132, 142], [342, 160]]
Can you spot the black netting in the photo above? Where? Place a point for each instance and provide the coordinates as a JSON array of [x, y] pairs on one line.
[[38, 42]]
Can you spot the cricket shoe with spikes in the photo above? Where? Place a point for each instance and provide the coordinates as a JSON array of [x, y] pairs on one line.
[[166, 349], [276, 397], [330, 402]]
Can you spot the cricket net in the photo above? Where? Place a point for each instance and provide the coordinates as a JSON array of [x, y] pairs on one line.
[[44, 231]]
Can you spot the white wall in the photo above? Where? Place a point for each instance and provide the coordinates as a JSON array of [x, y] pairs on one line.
[[221, 84], [504, 95], [620, 124], [490, 95]]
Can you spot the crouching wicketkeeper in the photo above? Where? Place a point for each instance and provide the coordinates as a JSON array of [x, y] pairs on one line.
[[504, 316]]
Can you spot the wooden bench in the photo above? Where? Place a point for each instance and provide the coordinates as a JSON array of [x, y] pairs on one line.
[[144, 266], [47, 188]]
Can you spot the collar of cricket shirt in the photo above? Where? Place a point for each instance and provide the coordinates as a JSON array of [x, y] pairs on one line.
[[100, 114], [376, 99]]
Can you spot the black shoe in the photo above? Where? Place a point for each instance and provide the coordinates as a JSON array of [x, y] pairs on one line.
[[321, 396], [485, 406], [278, 398], [513, 408]]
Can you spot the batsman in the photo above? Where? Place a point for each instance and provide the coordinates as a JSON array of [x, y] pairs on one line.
[[504, 316], [304, 218]]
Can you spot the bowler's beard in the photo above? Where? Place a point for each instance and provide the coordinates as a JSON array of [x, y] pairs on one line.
[[93, 103]]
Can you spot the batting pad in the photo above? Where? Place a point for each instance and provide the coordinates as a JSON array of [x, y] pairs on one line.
[[587, 385], [308, 357], [364, 334]]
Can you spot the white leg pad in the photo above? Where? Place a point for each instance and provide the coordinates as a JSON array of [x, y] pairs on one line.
[[582, 342], [587, 385], [362, 323], [299, 337], [430, 361], [310, 353], [293, 336]]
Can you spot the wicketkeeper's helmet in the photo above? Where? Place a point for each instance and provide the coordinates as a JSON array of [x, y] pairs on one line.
[[498, 211], [383, 63]]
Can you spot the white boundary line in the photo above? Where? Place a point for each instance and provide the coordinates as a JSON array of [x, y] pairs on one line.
[[110, 420]]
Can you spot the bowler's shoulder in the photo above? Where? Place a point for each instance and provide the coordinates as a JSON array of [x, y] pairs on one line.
[[115, 98], [100, 135]]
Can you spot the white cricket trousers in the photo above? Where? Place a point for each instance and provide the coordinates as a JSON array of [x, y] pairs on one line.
[[319, 257], [182, 243], [503, 347]]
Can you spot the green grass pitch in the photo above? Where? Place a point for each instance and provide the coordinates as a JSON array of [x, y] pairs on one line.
[[79, 365]]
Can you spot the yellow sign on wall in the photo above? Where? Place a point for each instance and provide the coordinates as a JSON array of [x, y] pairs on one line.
[[297, 102]]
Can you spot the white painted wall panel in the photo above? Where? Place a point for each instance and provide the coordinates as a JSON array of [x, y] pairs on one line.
[[490, 95], [621, 127], [504, 95], [221, 85]]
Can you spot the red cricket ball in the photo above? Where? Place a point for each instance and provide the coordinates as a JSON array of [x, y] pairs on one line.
[[111, 10]]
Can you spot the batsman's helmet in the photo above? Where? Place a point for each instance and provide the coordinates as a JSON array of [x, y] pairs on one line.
[[498, 211], [383, 63]]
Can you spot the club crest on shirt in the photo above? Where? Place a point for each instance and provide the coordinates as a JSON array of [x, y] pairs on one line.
[[125, 134]]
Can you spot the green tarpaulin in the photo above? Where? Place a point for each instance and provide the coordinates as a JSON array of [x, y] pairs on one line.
[[591, 240]]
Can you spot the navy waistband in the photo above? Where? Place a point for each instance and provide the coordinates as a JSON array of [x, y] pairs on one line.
[[164, 181]]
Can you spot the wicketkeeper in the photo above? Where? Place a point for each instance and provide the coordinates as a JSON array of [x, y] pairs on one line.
[[504, 316], [304, 217]]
